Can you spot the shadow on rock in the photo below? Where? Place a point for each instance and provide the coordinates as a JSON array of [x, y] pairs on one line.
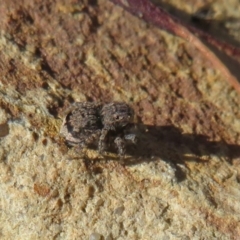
[[171, 145]]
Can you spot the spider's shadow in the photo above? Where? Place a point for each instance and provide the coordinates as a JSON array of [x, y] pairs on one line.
[[170, 144]]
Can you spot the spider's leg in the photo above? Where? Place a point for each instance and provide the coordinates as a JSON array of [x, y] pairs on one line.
[[120, 143], [102, 140]]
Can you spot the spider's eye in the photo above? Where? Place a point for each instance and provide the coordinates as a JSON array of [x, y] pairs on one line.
[[117, 117]]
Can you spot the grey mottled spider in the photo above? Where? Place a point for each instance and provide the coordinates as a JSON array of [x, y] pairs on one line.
[[89, 123]]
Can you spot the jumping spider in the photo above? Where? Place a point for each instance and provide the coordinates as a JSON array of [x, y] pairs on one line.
[[89, 123]]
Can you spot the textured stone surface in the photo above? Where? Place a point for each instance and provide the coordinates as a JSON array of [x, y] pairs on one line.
[[180, 182]]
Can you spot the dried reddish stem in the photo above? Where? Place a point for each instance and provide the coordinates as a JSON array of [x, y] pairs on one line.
[[156, 15]]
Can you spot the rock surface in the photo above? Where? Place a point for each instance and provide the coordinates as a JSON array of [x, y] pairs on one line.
[[181, 181]]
